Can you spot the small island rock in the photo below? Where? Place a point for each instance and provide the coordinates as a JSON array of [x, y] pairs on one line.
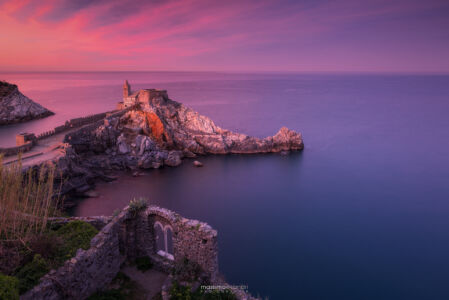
[[16, 107], [197, 163]]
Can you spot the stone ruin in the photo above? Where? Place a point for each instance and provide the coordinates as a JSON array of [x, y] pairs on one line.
[[126, 237]]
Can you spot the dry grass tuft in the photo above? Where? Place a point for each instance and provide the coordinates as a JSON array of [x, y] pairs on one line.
[[27, 200]]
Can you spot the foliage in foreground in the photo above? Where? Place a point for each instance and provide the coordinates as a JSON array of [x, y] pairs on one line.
[[49, 250], [75, 235], [30, 274], [27, 200], [9, 287], [137, 205]]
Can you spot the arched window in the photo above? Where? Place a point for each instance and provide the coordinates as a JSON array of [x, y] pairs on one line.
[[159, 236], [164, 240], [169, 240]]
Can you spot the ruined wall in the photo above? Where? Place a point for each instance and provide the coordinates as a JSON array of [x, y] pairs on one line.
[[126, 237], [192, 239]]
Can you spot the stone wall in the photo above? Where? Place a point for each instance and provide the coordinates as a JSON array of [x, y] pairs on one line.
[[73, 123], [94, 120], [192, 239], [126, 237], [17, 149]]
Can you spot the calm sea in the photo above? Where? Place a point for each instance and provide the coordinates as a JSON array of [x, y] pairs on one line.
[[361, 213]]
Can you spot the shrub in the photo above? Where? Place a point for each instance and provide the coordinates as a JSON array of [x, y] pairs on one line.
[[218, 295], [9, 287], [180, 292], [30, 274], [144, 263], [47, 245], [75, 235], [136, 205]]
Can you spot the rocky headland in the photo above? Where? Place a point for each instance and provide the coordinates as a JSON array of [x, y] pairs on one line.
[[15, 107], [152, 134]]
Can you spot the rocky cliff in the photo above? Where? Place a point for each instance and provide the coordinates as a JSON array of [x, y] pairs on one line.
[[16, 107]]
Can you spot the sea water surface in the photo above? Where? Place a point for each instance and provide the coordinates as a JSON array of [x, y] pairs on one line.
[[361, 213]]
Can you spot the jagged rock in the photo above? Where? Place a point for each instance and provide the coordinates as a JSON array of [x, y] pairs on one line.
[[175, 127], [173, 159], [123, 147], [16, 107]]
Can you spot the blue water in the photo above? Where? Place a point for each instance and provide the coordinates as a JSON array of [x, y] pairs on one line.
[[361, 213]]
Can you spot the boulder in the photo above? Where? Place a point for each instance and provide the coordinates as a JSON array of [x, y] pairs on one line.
[[197, 163]]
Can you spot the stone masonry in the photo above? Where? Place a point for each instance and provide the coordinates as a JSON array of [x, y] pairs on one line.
[[127, 236]]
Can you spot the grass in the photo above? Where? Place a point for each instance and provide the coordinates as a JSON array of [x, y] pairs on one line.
[[137, 205], [27, 200]]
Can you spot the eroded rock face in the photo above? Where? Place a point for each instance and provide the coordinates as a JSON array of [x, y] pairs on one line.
[[16, 107], [173, 126]]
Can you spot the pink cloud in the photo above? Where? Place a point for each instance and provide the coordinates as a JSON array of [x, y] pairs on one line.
[[198, 34]]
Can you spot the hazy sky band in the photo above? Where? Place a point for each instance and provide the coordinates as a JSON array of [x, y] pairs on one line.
[[318, 36]]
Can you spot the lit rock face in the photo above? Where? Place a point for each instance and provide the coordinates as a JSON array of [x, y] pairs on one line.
[[16, 107], [173, 126]]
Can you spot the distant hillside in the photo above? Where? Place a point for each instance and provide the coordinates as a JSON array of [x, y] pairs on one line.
[[16, 107]]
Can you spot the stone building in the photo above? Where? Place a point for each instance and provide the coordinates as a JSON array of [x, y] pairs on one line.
[[24, 138], [141, 97]]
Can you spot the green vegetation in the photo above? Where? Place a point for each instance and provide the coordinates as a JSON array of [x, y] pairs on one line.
[[30, 274], [137, 205], [127, 289], [9, 287], [75, 235], [48, 250], [144, 263], [30, 246]]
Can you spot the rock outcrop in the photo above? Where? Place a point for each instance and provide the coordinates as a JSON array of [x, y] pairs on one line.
[[16, 107], [173, 126], [160, 133]]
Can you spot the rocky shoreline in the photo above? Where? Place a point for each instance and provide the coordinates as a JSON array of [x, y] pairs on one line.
[[15, 107]]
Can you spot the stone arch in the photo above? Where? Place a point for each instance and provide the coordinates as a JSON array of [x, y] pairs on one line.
[[169, 239], [163, 238], [159, 237]]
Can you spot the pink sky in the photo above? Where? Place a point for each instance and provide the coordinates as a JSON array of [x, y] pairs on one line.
[[264, 35]]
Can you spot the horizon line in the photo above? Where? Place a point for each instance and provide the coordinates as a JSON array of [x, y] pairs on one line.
[[239, 72]]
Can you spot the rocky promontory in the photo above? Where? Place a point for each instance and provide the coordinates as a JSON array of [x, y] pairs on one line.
[[156, 133], [16, 107]]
